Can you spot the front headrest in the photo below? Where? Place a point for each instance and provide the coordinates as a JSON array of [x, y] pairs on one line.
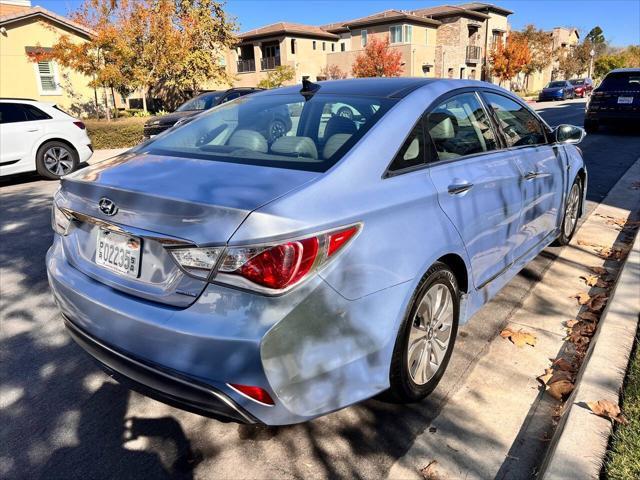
[[249, 139], [338, 124], [295, 146], [334, 143], [442, 126]]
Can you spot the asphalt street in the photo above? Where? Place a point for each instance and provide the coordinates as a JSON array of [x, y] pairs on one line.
[[62, 417]]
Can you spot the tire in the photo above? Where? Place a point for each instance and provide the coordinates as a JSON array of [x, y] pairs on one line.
[[571, 212], [277, 129], [345, 112], [411, 378], [591, 126], [55, 159]]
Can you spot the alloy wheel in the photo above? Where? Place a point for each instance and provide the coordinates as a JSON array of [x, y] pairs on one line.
[[58, 160], [571, 213], [430, 334]]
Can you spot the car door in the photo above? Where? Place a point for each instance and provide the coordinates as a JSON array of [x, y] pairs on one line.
[[17, 136], [542, 162], [478, 184]]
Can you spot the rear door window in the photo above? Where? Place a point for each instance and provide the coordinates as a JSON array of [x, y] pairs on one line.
[[519, 126], [412, 152], [12, 113], [460, 126], [34, 113]]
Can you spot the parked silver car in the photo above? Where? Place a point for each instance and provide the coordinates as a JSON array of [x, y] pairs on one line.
[[276, 280]]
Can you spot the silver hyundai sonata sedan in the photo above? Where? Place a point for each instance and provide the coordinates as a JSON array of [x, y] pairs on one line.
[[273, 278]]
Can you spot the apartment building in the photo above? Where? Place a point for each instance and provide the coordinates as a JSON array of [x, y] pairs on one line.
[[563, 40], [444, 41]]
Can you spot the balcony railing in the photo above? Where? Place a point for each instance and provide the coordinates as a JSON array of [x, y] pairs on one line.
[[474, 54], [269, 63], [246, 65]]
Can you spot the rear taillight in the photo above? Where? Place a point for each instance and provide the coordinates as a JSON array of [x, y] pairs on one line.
[[277, 268], [272, 268], [80, 125]]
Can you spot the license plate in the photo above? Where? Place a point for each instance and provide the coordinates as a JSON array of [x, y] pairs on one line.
[[117, 252], [625, 99]]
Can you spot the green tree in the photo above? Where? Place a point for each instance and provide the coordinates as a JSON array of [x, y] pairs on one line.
[[277, 77], [576, 62]]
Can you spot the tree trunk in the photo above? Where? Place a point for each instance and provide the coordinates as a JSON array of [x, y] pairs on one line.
[[144, 99], [95, 95], [113, 97], [107, 108]]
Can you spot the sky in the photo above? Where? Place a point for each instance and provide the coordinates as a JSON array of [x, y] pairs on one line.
[[619, 19]]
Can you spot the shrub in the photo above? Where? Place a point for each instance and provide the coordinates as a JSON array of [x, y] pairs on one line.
[[121, 133]]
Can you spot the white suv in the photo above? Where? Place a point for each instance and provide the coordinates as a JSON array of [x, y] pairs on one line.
[[39, 136]]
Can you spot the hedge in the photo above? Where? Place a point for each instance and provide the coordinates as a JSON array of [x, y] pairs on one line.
[[121, 133]]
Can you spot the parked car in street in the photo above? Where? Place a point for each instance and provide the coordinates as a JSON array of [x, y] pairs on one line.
[[274, 283], [557, 90], [582, 87], [196, 105], [37, 136], [616, 100]]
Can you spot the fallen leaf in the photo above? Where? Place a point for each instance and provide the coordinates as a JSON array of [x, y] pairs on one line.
[[559, 376], [429, 472], [588, 316], [584, 243], [571, 323], [546, 376], [599, 270], [590, 280], [560, 388], [582, 297], [519, 338], [607, 409], [597, 302], [564, 365]]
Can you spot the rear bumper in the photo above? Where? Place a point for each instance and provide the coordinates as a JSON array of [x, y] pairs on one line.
[[158, 383], [312, 350], [613, 115], [85, 152]]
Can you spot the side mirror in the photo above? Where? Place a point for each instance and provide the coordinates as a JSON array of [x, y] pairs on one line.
[[569, 134]]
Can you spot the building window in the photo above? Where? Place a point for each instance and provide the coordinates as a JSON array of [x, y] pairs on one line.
[[400, 33], [333, 47], [314, 44], [343, 47], [47, 83], [324, 46], [363, 38], [293, 46]]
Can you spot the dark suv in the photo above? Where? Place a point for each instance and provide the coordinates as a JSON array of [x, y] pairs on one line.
[[204, 101], [616, 100]]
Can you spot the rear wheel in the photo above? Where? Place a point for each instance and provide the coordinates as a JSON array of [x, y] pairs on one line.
[[571, 213], [427, 336], [55, 159]]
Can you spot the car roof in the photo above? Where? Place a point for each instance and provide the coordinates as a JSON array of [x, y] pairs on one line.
[[625, 70], [397, 87], [28, 101]]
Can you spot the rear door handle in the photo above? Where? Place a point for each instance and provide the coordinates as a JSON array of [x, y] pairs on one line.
[[458, 188], [34, 130]]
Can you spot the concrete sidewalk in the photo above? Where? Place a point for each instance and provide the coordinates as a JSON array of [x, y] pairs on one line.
[[103, 154], [500, 422], [603, 374]]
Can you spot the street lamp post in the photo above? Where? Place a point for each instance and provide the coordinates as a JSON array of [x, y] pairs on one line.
[[592, 54]]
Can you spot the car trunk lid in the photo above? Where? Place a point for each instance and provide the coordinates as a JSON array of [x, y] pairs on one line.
[[164, 201]]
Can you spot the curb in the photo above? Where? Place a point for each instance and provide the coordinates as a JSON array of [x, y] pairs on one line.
[[580, 441]]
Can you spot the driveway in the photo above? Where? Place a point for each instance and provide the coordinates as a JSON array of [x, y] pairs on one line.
[[62, 417]]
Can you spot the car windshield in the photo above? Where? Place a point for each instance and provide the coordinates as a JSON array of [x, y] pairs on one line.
[[203, 102], [555, 84], [577, 82], [621, 81], [276, 130]]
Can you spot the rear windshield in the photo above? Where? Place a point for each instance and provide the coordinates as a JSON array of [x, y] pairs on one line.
[[555, 84], [576, 82], [621, 81], [276, 130], [203, 102]]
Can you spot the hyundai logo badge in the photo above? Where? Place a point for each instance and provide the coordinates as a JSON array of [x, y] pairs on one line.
[[107, 206]]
